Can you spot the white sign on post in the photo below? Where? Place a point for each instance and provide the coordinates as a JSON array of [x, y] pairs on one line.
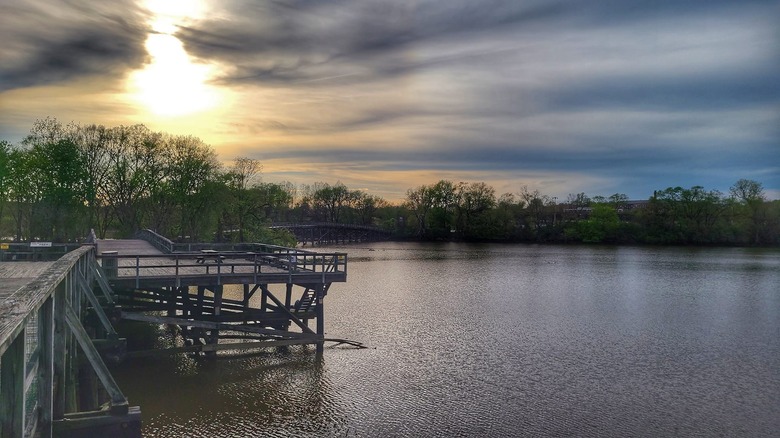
[[40, 244]]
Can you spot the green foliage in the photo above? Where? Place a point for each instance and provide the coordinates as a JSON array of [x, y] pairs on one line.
[[270, 236], [61, 181], [5, 170], [602, 226], [678, 215]]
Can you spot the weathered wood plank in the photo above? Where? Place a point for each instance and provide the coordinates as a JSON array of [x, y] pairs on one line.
[[216, 325], [126, 246], [17, 308], [46, 386], [12, 376], [239, 346]]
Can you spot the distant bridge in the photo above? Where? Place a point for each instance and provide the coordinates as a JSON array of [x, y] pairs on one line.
[[330, 233]]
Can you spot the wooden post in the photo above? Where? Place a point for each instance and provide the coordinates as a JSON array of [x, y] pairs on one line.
[[110, 263], [214, 338], [246, 296], [12, 388], [70, 385], [198, 311], [46, 369], [263, 299], [288, 296], [58, 408], [320, 319], [171, 297]]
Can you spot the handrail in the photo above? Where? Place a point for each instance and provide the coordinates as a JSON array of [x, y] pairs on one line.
[[243, 246], [167, 246], [159, 241], [18, 251], [223, 265]]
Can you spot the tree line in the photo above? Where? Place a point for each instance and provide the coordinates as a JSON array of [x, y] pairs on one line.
[[63, 180], [673, 216]]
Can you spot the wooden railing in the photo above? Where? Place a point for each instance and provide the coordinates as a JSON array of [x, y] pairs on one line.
[[167, 246], [224, 267], [42, 343], [28, 251], [162, 243]]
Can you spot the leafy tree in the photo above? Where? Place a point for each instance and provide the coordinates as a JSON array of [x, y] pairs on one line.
[[678, 215], [242, 175], [60, 174], [750, 196], [618, 201], [578, 206], [5, 170], [535, 211], [367, 206], [93, 143], [473, 201], [445, 201], [420, 202], [270, 200], [23, 191], [332, 200], [191, 165], [136, 170], [505, 217], [601, 226]]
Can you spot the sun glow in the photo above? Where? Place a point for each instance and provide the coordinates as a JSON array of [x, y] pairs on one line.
[[172, 84]]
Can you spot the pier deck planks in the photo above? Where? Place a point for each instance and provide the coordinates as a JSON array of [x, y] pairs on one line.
[[126, 246], [14, 275]]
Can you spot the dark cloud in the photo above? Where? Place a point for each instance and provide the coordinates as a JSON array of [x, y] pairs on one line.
[[303, 41], [647, 92], [48, 42], [709, 91]]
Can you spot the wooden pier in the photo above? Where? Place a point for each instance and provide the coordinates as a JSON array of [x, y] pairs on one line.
[[56, 321], [182, 285]]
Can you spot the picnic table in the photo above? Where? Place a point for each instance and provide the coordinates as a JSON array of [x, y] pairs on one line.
[[209, 254]]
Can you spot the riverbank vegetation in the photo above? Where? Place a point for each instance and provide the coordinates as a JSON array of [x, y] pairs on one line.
[[63, 180]]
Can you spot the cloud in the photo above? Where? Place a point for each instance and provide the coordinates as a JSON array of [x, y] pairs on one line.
[[303, 42], [46, 42], [607, 94]]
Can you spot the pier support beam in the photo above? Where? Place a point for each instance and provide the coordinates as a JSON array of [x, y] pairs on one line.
[[320, 318]]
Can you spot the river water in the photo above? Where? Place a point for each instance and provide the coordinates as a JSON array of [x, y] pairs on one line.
[[504, 340]]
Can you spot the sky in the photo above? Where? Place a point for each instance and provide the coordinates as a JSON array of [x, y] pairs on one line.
[[601, 97]]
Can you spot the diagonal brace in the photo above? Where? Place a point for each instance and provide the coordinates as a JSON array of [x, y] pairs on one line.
[[292, 316], [96, 305], [118, 400], [100, 275]]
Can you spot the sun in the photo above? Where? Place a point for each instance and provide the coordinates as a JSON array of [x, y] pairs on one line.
[[172, 84]]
